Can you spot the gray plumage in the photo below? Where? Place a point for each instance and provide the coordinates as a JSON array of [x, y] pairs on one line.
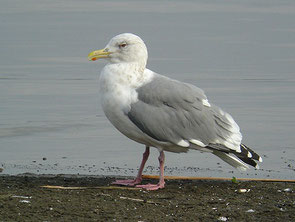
[[177, 113]]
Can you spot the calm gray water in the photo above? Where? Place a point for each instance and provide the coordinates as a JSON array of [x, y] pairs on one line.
[[242, 53]]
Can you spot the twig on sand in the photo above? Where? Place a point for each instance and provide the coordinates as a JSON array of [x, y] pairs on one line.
[[84, 188], [138, 200]]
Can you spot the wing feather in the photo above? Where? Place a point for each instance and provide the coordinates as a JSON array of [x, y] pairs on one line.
[[170, 111]]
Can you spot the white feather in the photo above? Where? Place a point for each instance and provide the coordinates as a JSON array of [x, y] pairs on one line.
[[197, 142], [206, 103], [231, 160], [183, 143]]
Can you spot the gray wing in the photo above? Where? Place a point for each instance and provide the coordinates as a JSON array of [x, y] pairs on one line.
[[171, 111]]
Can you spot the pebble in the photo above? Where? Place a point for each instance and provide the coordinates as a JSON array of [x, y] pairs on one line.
[[243, 190], [222, 218], [25, 201], [250, 211], [287, 190]]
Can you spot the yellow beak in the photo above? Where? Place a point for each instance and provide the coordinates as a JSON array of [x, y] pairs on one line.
[[98, 54]]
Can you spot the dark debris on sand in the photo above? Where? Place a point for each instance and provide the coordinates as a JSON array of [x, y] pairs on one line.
[[23, 199]]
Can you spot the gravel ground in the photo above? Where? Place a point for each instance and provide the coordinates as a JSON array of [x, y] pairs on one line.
[[23, 199]]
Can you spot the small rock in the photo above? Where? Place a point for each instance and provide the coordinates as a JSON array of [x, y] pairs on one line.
[[44, 158], [243, 190], [287, 190], [222, 218], [25, 201], [250, 211]]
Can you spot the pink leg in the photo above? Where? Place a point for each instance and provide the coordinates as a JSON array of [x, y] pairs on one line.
[[138, 178], [161, 183]]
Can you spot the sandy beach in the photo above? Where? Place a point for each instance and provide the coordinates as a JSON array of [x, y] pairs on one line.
[[79, 198]]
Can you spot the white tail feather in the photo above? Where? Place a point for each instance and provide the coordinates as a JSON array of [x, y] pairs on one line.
[[233, 161]]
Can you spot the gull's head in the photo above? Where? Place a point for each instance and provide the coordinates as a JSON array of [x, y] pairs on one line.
[[123, 48]]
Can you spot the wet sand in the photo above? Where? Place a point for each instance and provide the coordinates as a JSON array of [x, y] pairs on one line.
[[22, 198]]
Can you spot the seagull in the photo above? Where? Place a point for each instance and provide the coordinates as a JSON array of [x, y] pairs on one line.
[[163, 113]]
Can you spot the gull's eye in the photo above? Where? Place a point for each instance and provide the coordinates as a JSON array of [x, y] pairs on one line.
[[122, 45]]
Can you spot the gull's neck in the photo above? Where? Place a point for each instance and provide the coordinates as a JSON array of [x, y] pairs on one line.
[[130, 74]]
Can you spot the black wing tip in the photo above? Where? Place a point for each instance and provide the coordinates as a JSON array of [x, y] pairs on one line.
[[246, 154], [249, 161], [249, 153]]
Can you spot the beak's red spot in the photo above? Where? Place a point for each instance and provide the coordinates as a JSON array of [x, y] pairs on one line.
[[93, 59]]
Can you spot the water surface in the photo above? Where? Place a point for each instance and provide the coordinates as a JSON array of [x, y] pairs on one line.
[[241, 53]]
